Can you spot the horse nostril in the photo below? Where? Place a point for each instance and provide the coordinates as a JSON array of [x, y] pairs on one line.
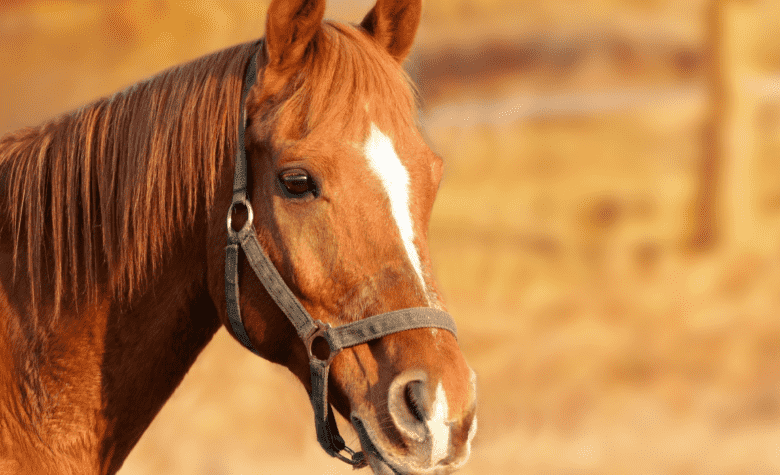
[[409, 404], [415, 400]]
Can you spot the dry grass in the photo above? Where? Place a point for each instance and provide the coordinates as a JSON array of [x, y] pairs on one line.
[[602, 345]]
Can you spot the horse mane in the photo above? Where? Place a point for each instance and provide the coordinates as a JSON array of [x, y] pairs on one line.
[[111, 184]]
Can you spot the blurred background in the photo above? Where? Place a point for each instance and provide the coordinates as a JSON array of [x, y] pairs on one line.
[[607, 234]]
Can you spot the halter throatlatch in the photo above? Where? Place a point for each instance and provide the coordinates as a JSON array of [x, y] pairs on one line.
[[308, 329]]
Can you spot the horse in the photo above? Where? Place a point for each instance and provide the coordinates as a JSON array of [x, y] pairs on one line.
[[115, 274]]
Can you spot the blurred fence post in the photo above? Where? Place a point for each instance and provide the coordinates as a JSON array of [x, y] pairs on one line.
[[724, 212]]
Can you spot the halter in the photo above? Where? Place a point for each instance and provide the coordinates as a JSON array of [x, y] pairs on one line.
[[309, 330]]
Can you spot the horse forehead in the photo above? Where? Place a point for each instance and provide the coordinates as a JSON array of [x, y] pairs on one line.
[[394, 157], [405, 145]]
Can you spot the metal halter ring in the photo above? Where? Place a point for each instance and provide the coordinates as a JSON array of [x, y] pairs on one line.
[[320, 331], [249, 218]]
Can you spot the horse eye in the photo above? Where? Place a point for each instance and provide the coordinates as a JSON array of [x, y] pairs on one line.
[[297, 182]]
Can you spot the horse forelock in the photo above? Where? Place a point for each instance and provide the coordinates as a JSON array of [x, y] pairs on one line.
[[346, 82], [111, 185]]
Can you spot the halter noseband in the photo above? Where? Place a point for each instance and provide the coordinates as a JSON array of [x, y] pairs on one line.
[[309, 330]]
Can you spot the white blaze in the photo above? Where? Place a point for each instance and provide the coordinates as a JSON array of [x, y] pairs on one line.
[[380, 152], [438, 427], [473, 429]]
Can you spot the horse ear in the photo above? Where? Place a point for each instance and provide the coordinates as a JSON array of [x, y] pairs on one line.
[[393, 23], [290, 27]]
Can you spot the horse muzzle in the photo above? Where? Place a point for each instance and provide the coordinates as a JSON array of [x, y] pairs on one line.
[[417, 437]]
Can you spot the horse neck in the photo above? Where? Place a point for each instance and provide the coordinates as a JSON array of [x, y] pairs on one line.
[[85, 385], [150, 344], [82, 392]]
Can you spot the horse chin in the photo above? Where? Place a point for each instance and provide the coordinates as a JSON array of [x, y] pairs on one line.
[[374, 457], [380, 467], [377, 461]]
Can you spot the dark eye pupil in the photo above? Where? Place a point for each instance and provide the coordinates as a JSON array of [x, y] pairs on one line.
[[297, 184]]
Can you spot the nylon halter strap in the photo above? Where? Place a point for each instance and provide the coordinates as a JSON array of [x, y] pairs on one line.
[[337, 338]]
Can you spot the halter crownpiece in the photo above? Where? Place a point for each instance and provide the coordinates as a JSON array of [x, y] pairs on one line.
[[308, 329]]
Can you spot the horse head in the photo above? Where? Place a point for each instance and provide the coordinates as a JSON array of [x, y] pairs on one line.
[[343, 186]]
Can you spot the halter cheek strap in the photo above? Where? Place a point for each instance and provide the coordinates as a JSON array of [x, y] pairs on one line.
[[308, 329]]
